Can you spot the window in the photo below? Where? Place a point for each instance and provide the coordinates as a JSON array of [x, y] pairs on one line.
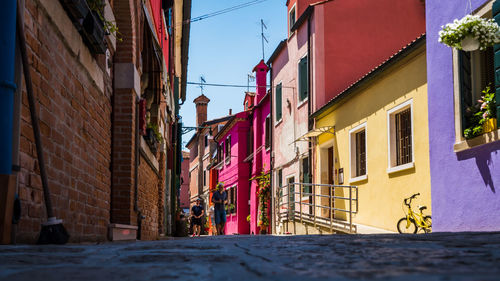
[[305, 175], [400, 137], [303, 79], [220, 153], [279, 182], [357, 141], [473, 71], [291, 19], [278, 103], [228, 149], [206, 140], [268, 132], [476, 71], [204, 178], [250, 141]]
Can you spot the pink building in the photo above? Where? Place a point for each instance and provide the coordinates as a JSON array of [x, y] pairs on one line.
[[234, 171], [330, 45]]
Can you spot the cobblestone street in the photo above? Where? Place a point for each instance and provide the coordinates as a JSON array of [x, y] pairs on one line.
[[440, 256]]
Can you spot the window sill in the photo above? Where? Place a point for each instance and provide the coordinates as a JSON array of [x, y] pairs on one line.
[[400, 168], [477, 141], [301, 103], [227, 161], [358, 179], [278, 122]]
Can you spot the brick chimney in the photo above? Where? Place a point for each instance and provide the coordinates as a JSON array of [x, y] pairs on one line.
[[201, 109], [261, 70]]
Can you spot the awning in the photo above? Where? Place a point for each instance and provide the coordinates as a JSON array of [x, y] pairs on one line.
[[315, 133]]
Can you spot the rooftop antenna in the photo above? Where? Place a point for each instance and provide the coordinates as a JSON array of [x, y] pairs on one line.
[[250, 78], [202, 82], [262, 26]]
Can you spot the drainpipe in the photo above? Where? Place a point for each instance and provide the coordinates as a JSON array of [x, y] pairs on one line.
[[140, 217], [7, 86], [309, 95], [271, 162]]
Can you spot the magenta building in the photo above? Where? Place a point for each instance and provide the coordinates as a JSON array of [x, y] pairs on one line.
[[234, 171], [261, 139], [244, 152]]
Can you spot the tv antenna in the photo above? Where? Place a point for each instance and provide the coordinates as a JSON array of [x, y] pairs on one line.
[[250, 78], [202, 83], [262, 26]]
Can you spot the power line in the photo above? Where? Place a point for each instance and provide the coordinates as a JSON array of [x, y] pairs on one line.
[[226, 10], [232, 85]]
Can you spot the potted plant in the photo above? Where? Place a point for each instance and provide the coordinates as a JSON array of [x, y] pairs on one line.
[[470, 33], [481, 118]]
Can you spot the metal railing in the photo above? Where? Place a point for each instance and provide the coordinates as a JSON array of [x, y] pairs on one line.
[[299, 202]]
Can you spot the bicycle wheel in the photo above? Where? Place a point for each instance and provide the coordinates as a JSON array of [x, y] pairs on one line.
[[404, 227], [428, 222]]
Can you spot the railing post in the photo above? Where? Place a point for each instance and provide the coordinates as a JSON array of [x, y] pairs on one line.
[[350, 209], [300, 202], [313, 189], [330, 192]]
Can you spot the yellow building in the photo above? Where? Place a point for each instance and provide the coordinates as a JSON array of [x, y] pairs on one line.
[[380, 142]]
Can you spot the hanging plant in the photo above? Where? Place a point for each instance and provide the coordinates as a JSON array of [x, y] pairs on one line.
[[470, 33]]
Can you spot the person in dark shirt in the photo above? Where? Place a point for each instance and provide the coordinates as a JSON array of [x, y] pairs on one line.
[[219, 198], [196, 214]]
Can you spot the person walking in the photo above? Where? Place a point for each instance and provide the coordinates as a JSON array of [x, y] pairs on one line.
[[196, 214], [219, 198]]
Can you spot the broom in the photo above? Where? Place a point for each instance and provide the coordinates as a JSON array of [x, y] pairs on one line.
[[53, 232]]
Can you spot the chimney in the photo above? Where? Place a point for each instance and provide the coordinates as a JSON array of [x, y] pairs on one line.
[[261, 70], [230, 111], [201, 109]]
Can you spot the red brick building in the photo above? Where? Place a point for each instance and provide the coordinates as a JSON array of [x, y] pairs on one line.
[[108, 112]]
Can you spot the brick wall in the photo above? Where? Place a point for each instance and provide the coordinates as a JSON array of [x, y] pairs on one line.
[[148, 200], [75, 122]]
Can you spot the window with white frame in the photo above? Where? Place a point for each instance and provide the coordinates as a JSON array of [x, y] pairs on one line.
[[291, 19], [357, 141], [303, 79], [278, 102], [400, 137], [268, 132]]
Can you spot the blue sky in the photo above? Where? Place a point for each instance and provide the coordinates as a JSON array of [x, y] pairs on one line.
[[225, 48]]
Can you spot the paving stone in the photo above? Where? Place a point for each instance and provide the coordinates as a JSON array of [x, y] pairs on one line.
[[437, 256]]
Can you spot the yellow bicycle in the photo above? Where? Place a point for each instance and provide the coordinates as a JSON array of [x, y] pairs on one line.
[[414, 221]]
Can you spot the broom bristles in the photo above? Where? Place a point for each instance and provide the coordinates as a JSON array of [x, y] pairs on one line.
[[53, 232]]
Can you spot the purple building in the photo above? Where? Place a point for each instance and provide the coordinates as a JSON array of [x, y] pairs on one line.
[[465, 173]]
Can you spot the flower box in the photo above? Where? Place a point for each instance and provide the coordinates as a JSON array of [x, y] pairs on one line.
[[490, 125]]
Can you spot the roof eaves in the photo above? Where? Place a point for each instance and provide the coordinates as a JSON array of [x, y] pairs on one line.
[[277, 51], [396, 57]]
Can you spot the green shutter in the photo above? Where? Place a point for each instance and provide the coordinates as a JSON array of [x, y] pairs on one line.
[[278, 102], [303, 79], [496, 16]]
